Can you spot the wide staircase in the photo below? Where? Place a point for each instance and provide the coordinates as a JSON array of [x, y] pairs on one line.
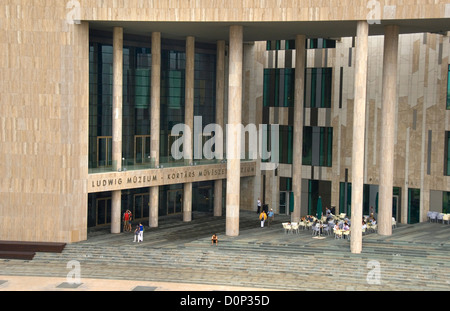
[[258, 257]]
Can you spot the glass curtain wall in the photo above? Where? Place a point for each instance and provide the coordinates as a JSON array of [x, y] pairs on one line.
[[136, 125], [100, 105], [136, 106]]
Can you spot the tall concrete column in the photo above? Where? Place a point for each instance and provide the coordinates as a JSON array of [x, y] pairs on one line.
[[298, 124], [233, 134], [155, 122], [189, 121], [117, 123], [220, 98], [389, 92], [359, 119]]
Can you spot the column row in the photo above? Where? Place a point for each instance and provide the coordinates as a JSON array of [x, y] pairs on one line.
[[155, 120]]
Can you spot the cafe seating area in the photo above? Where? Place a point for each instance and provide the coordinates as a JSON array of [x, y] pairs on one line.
[[333, 225], [438, 217]]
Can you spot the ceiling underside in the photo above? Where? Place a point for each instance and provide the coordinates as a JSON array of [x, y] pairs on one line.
[[262, 31]]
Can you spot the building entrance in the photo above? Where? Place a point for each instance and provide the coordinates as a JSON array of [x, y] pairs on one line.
[[174, 201], [103, 211], [141, 205]]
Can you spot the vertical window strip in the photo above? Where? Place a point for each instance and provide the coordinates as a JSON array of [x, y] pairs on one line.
[[448, 88]]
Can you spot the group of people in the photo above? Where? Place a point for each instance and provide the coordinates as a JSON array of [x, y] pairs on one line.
[[138, 231], [127, 218], [263, 215]]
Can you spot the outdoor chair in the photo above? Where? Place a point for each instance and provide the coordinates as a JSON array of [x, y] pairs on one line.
[[287, 227], [302, 225], [326, 229], [315, 230], [433, 216], [429, 215], [439, 217], [294, 227], [446, 218], [394, 223], [337, 234], [346, 234]]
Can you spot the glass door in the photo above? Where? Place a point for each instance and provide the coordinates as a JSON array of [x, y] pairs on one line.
[[413, 206], [141, 205], [103, 211], [204, 201], [174, 201], [394, 207], [283, 203]]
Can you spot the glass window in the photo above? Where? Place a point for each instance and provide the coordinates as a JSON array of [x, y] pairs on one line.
[[271, 84], [320, 43], [286, 144], [307, 145], [318, 87], [280, 45], [446, 202], [317, 146], [279, 87], [447, 154], [448, 88]]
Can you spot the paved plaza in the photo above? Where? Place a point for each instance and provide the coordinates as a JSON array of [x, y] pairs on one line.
[[179, 256]]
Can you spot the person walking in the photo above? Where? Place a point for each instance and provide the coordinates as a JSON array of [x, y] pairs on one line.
[[262, 217], [271, 216]]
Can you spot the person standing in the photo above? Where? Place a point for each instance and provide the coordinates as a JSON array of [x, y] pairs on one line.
[[271, 216], [141, 233], [125, 221], [136, 234], [258, 203], [262, 217], [130, 218]]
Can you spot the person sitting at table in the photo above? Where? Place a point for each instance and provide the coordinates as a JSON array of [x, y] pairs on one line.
[[336, 226], [364, 225], [346, 226]]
